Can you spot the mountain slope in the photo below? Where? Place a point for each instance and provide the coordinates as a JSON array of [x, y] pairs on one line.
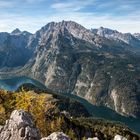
[[51, 113], [137, 35], [69, 58], [71, 64], [14, 50], [132, 40]]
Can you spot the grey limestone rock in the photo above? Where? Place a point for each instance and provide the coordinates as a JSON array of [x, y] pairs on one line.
[[19, 127], [57, 136]]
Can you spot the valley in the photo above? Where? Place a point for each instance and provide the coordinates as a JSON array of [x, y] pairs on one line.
[[101, 67], [98, 69], [96, 112], [47, 113]]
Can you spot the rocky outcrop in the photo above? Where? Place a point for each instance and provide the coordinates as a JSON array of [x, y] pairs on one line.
[[119, 137], [16, 32], [20, 126], [137, 35], [95, 138], [57, 136]]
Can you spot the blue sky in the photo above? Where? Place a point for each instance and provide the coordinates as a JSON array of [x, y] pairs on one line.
[[31, 15]]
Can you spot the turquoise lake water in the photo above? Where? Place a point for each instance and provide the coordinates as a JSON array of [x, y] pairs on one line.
[[97, 112]]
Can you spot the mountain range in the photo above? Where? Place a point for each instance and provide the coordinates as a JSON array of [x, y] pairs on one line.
[[100, 65]]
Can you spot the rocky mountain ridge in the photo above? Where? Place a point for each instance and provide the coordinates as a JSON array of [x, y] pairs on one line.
[[14, 50], [131, 39], [137, 35], [69, 58]]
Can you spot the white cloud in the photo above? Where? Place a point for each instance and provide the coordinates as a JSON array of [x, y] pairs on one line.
[[74, 5], [66, 7], [88, 20], [70, 11], [6, 4]]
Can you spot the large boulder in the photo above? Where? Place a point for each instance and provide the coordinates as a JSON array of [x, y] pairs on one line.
[[119, 137], [95, 138], [57, 136], [20, 126]]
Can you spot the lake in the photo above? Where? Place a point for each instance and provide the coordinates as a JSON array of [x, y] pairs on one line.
[[97, 112]]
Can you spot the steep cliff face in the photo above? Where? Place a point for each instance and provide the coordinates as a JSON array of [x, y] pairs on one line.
[[100, 66], [14, 50], [70, 59]]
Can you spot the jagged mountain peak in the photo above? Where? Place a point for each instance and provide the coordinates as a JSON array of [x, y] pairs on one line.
[[67, 28], [71, 26], [137, 35], [127, 38], [104, 31], [26, 33], [19, 32], [62, 24], [16, 31]]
